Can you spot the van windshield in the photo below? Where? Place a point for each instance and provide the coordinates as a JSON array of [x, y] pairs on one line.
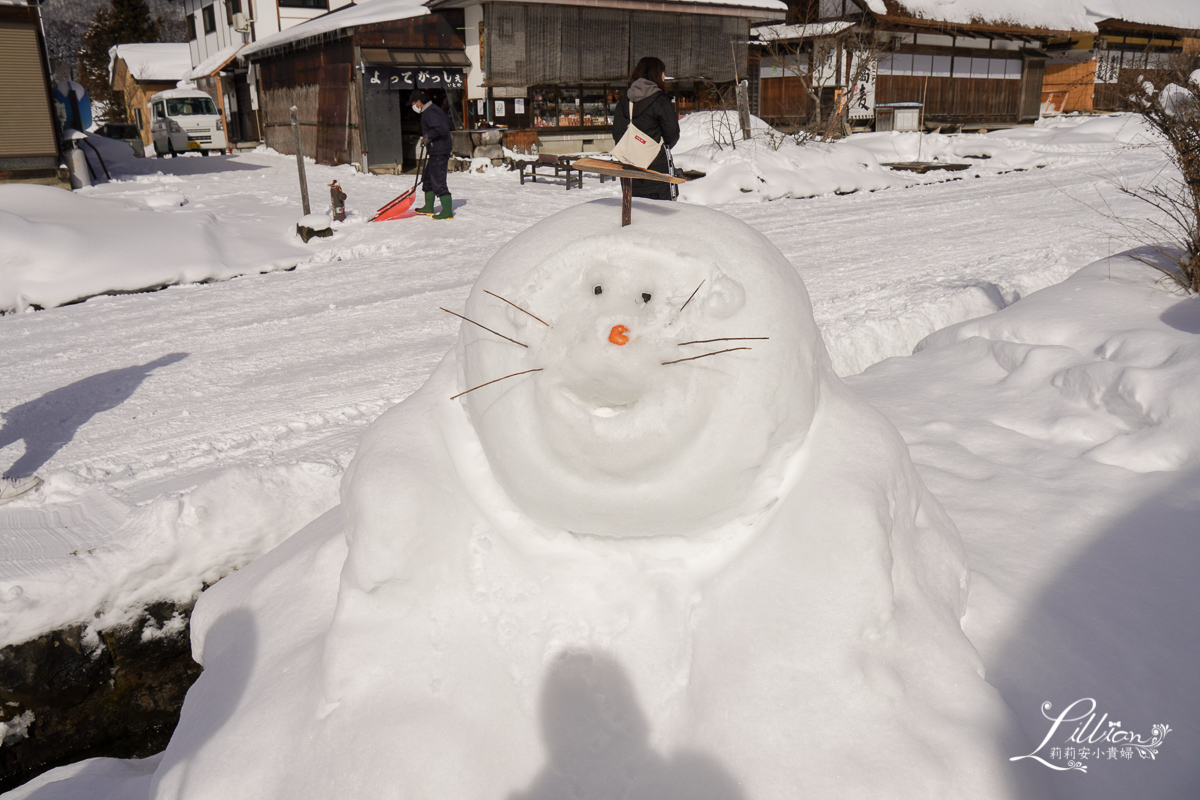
[[185, 106]]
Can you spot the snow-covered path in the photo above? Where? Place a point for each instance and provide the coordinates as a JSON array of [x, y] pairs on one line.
[[256, 389]]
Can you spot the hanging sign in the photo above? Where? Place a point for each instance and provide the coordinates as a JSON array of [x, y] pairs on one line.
[[401, 78]]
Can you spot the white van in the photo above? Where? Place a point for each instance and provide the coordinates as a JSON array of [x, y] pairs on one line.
[[185, 120]]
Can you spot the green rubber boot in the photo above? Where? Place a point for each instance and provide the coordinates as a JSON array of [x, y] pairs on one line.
[[447, 211], [428, 207]]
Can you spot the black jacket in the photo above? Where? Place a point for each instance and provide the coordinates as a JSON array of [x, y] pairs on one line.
[[656, 117], [435, 127]]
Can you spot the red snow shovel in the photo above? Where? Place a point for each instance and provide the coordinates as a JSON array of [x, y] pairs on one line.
[[400, 208]]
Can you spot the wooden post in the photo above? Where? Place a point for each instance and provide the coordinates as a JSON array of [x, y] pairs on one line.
[[626, 173], [300, 162], [743, 106]]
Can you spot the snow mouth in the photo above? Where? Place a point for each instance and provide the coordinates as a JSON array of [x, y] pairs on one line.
[[604, 405]]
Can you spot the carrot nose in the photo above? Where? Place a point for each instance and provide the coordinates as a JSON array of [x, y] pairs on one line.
[[618, 335]]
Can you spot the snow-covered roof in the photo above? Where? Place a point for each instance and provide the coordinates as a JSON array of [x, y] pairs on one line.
[[152, 62], [771, 5], [376, 11], [1062, 15], [213, 63], [774, 33], [349, 16], [187, 90], [1169, 13]]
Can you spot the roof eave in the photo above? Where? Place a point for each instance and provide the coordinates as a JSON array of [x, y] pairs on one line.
[[670, 6]]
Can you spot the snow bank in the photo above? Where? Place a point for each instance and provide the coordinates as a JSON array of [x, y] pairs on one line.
[[168, 549], [61, 246], [549, 586], [768, 166], [1134, 388], [1063, 437], [771, 166]]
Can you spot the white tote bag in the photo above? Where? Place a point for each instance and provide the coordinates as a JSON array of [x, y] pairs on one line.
[[636, 147]]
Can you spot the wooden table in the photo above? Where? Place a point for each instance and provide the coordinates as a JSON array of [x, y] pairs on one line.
[[561, 164]]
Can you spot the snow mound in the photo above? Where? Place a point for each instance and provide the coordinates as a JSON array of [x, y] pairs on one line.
[[768, 166], [756, 591], [167, 549], [771, 165], [61, 246], [1133, 389]]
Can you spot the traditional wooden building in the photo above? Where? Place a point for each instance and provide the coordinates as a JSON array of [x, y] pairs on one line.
[[138, 71], [966, 72], [546, 73], [29, 146], [556, 70], [349, 73], [1095, 71]]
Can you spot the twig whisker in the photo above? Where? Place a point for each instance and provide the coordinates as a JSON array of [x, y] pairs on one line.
[[690, 296], [497, 380], [728, 339], [706, 355], [517, 307], [485, 327]]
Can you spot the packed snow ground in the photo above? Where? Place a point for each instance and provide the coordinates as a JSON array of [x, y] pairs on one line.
[[183, 432]]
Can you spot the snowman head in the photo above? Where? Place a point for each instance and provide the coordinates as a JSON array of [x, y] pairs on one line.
[[661, 373]]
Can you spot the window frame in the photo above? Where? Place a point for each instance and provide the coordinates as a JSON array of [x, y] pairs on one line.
[[210, 18]]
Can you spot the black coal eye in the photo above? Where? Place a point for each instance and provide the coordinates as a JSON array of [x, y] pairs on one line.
[[598, 290], [645, 297]]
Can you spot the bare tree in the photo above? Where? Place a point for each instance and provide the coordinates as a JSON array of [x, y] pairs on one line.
[[833, 66]]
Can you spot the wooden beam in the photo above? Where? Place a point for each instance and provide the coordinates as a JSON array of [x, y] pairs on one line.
[[623, 171]]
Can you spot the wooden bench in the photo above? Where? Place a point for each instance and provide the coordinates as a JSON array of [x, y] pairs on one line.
[[561, 164]]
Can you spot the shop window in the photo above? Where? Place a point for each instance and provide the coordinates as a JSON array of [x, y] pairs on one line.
[[545, 107], [210, 19], [570, 110], [596, 110]]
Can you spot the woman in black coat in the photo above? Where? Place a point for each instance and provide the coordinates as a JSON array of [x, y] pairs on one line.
[[653, 114]]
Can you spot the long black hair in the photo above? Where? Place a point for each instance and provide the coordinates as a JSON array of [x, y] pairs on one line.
[[653, 70]]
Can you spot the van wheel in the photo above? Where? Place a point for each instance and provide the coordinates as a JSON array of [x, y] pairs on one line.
[[157, 154], [205, 152], [171, 149]]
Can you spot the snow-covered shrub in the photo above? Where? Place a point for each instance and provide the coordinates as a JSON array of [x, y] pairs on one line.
[[1170, 104]]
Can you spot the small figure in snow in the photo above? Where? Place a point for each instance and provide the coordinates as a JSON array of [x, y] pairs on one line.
[[435, 133], [653, 114], [12, 488]]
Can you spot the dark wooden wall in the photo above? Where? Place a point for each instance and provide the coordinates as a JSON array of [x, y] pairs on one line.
[[440, 31], [320, 81]]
